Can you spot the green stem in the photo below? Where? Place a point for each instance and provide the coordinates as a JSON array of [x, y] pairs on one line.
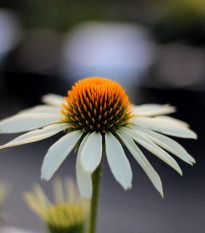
[[96, 178]]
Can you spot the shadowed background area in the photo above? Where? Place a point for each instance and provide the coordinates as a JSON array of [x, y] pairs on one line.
[[156, 50]]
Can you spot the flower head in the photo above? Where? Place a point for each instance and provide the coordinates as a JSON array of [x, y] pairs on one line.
[[69, 212], [97, 105], [97, 116]]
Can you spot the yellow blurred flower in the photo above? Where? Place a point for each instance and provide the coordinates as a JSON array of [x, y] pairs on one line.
[[69, 213]]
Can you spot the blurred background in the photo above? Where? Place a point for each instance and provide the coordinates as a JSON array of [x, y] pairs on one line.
[[155, 49]]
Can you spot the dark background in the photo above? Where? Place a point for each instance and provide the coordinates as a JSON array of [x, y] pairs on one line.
[[155, 49]]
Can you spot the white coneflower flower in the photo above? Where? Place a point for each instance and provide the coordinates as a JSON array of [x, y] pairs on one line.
[[69, 212], [98, 116]]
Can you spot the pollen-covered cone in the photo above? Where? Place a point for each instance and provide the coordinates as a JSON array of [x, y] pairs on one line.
[[97, 117], [68, 214]]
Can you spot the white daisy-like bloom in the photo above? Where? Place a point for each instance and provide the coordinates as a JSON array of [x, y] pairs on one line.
[[98, 118]]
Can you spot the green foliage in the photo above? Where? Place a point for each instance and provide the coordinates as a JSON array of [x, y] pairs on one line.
[[62, 14]]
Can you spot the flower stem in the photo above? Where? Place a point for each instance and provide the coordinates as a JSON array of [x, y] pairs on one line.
[[96, 179]]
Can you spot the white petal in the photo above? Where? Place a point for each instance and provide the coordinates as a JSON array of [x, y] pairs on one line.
[[153, 148], [118, 161], [165, 126], [174, 120], [153, 109], [84, 180], [57, 154], [92, 152], [26, 122], [41, 109], [143, 162], [53, 100], [168, 144], [37, 135]]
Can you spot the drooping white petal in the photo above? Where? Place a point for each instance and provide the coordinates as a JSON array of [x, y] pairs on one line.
[[141, 159], [84, 180], [36, 135], [26, 122], [174, 120], [57, 153], [53, 100], [153, 148], [92, 152], [118, 161], [165, 126], [168, 144], [153, 109], [41, 109]]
